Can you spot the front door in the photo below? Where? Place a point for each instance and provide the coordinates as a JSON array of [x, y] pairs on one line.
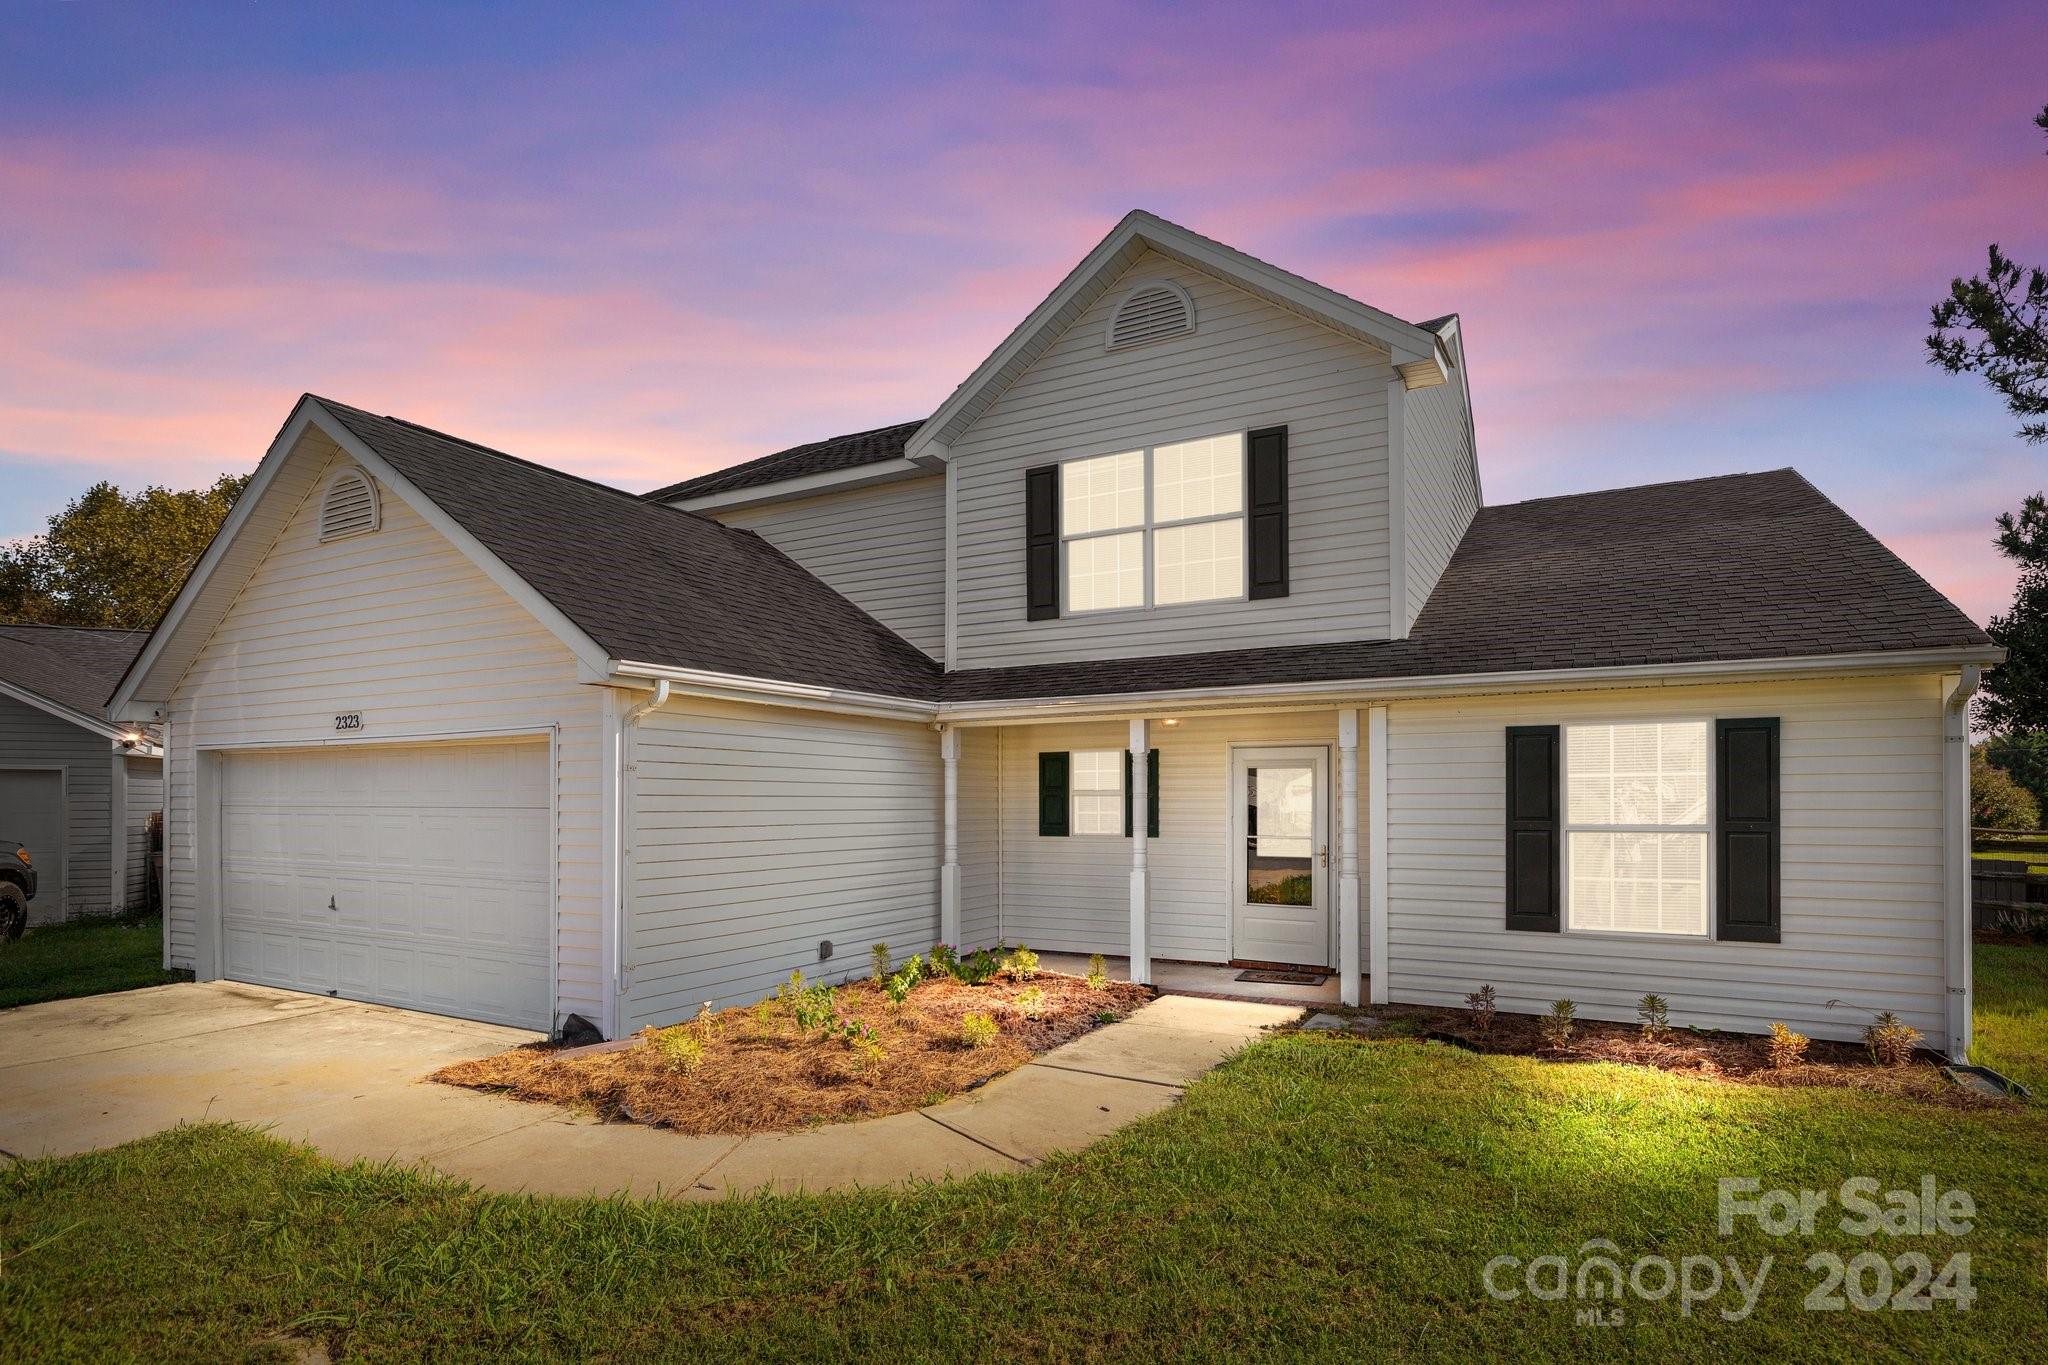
[[1280, 845]]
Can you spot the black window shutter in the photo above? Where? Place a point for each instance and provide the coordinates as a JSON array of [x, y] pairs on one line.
[[1746, 832], [1052, 794], [1042, 543], [1266, 483], [1151, 793], [1533, 893]]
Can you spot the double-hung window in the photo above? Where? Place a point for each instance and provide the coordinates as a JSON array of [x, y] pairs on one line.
[[1637, 827], [1097, 794], [1154, 527]]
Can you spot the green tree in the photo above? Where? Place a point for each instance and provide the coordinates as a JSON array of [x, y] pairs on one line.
[[112, 558], [1996, 325], [2023, 754], [1996, 801]]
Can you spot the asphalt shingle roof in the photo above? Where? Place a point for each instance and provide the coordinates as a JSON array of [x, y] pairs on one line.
[[650, 583], [816, 457], [1745, 566], [73, 667]]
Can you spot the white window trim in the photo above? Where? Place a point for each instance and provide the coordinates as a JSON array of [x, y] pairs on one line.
[[1123, 795], [1148, 528], [1566, 829]]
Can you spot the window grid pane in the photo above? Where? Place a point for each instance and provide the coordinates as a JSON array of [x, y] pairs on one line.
[[1639, 883], [1199, 563], [1643, 881], [1105, 572], [1097, 796], [1652, 774], [1203, 478], [1102, 494]]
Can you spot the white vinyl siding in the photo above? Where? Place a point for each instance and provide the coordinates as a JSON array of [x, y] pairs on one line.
[[145, 798], [759, 831], [33, 738], [1073, 894], [1861, 864], [883, 547], [1250, 364], [1439, 487], [981, 837], [400, 627]]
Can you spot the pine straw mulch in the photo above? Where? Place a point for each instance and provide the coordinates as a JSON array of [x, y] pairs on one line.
[[1703, 1054], [760, 1074]]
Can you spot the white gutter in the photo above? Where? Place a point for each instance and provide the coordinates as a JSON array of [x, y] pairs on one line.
[[1955, 810], [770, 692], [1631, 675], [801, 486]]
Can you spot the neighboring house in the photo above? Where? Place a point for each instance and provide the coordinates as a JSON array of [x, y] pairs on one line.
[[76, 789], [1180, 630]]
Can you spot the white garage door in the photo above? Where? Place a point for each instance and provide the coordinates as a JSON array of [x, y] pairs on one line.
[[413, 876]]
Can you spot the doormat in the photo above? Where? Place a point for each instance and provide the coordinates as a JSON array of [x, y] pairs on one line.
[[1285, 978]]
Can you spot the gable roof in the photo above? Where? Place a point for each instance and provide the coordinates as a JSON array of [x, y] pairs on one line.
[[1743, 567], [648, 583], [816, 457], [72, 668], [1413, 350]]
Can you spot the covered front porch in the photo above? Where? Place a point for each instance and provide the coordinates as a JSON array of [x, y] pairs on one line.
[[1188, 847]]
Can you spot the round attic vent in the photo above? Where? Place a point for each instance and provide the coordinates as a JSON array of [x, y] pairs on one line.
[[349, 506], [1151, 312]]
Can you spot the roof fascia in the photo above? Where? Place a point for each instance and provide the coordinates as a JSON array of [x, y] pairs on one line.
[[62, 712], [803, 486]]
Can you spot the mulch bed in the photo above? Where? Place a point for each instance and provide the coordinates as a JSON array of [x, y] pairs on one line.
[[1704, 1054], [761, 1074]]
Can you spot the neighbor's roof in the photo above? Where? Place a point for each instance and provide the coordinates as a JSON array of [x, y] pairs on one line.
[[1745, 566], [647, 582], [71, 666], [818, 457]]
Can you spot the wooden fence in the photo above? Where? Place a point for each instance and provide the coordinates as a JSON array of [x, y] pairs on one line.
[[2005, 895]]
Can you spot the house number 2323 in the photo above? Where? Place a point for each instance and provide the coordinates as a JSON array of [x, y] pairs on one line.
[[349, 720]]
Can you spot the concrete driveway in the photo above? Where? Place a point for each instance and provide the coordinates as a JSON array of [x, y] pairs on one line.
[[350, 1080]]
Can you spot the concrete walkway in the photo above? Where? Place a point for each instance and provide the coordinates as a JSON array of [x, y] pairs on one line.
[[347, 1078]]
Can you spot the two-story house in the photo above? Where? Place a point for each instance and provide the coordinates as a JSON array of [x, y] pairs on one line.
[[1179, 632]]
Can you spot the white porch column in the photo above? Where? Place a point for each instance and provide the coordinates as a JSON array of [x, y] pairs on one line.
[[1376, 825], [1141, 940], [949, 870], [1347, 856]]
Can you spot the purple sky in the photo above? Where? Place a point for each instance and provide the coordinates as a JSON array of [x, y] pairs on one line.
[[644, 241]]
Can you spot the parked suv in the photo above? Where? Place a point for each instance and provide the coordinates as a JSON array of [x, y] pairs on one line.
[[17, 889]]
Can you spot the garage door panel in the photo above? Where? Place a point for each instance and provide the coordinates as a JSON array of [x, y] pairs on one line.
[[407, 875]]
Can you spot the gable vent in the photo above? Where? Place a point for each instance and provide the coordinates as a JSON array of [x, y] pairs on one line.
[[1151, 312], [349, 507]]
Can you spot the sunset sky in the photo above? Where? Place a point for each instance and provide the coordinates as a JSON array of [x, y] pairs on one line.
[[642, 241]]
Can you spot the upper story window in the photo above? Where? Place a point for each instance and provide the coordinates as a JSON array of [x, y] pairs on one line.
[[1637, 827], [1154, 527]]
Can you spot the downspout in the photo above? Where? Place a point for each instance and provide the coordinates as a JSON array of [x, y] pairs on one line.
[[622, 955], [1956, 938]]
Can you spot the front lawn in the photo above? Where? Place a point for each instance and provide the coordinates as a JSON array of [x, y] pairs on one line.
[[83, 957], [2012, 1013], [1322, 1197]]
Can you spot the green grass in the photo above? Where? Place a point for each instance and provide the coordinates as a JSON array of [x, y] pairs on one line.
[[83, 957], [2012, 1013], [1316, 1197]]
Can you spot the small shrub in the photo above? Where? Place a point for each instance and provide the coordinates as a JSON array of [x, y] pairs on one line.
[[1556, 1026], [1787, 1049], [978, 1030], [979, 968], [897, 987], [917, 969], [1098, 973], [1483, 1003], [1021, 964], [1655, 1012], [944, 961], [880, 954], [1030, 1002], [868, 1052], [764, 1014], [813, 1007], [1891, 1040], [680, 1049]]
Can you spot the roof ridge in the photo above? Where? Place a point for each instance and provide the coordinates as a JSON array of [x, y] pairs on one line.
[[667, 489], [1646, 487]]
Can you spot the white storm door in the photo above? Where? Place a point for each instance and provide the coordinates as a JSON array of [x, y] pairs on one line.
[[1280, 847]]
